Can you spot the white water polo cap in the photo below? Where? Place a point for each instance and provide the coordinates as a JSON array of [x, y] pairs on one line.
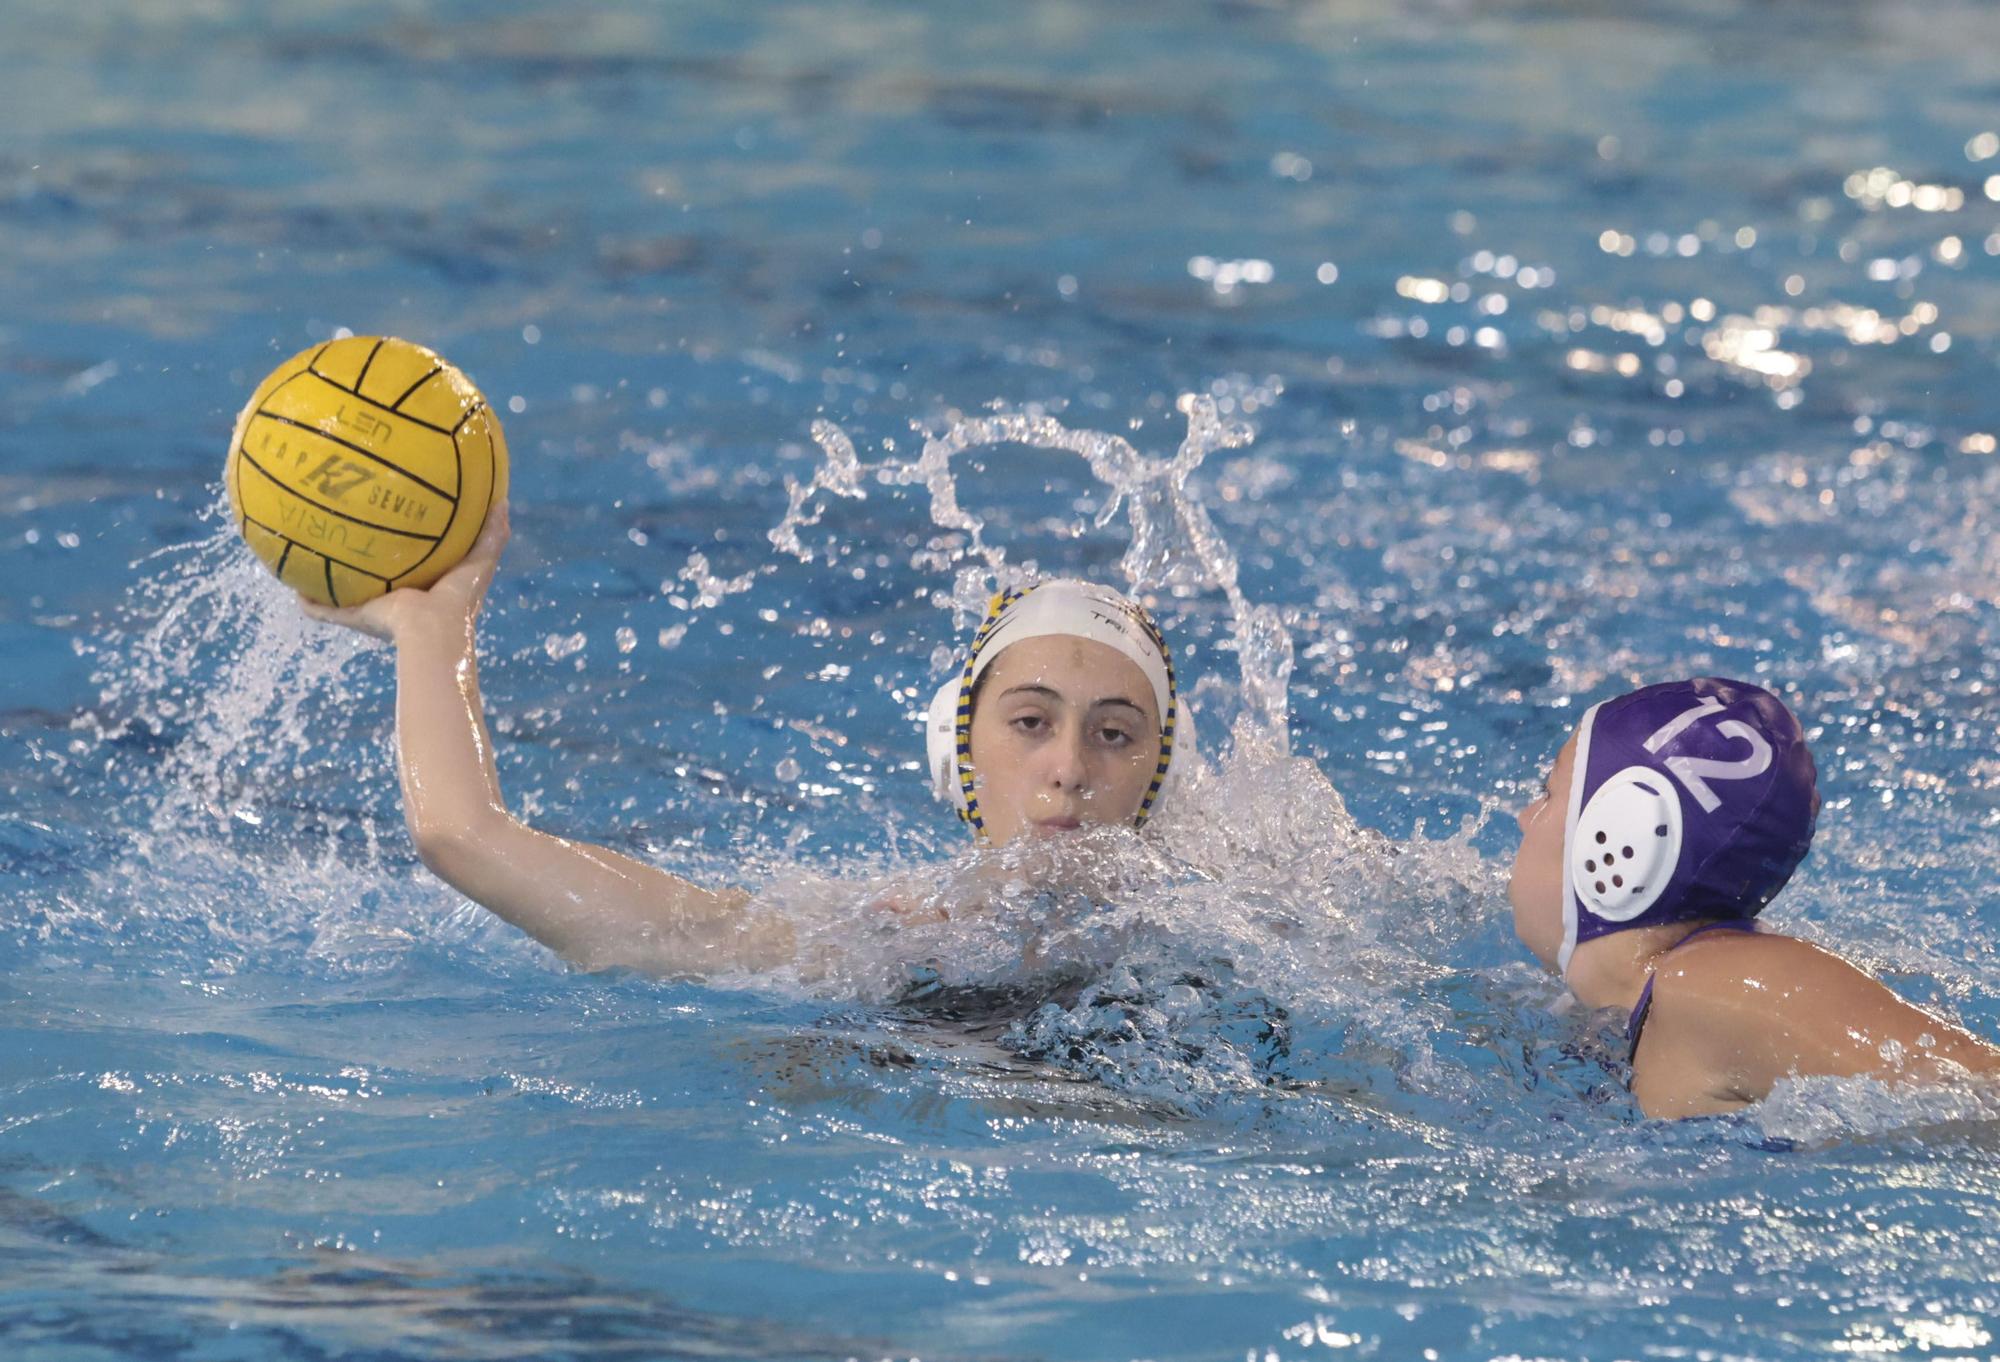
[[1067, 608]]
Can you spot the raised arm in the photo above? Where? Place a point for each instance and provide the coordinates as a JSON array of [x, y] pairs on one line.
[[592, 905]]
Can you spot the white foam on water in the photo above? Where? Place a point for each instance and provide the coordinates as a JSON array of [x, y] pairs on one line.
[[1823, 1109]]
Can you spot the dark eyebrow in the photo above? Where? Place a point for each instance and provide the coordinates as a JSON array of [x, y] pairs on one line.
[[1029, 688]]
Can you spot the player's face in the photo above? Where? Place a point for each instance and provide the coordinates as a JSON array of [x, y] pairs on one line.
[[1536, 886], [1066, 734]]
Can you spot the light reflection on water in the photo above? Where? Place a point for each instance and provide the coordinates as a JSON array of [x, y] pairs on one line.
[[1579, 349]]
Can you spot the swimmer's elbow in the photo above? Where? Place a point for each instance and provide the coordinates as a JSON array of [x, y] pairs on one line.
[[445, 852], [460, 852], [438, 848]]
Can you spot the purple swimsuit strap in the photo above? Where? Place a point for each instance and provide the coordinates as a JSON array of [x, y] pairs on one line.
[[1635, 1025]]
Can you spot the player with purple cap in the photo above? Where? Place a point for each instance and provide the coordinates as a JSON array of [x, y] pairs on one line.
[[1685, 807]]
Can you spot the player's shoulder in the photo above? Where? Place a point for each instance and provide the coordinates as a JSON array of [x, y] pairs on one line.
[[1763, 961], [1730, 1012], [1731, 993], [1757, 971]]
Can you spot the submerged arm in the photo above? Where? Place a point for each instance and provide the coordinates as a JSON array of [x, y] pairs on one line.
[[592, 905]]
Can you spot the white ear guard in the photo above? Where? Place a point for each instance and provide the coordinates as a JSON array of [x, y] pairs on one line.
[[941, 742], [1626, 843]]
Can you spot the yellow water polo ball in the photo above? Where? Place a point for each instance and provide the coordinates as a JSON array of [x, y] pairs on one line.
[[363, 465]]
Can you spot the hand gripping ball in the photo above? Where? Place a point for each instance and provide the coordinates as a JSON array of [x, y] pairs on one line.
[[363, 465]]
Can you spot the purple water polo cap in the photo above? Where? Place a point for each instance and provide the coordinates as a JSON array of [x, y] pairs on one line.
[[1691, 799]]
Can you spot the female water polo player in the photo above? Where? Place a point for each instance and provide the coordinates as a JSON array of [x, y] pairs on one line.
[[1669, 819], [1064, 716]]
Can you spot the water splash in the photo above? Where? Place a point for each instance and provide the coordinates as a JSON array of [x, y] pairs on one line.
[[1175, 549], [248, 815], [1275, 944], [207, 661], [1281, 945], [697, 587], [1821, 1110]]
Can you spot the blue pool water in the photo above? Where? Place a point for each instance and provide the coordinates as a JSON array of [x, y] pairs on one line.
[[1579, 348]]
